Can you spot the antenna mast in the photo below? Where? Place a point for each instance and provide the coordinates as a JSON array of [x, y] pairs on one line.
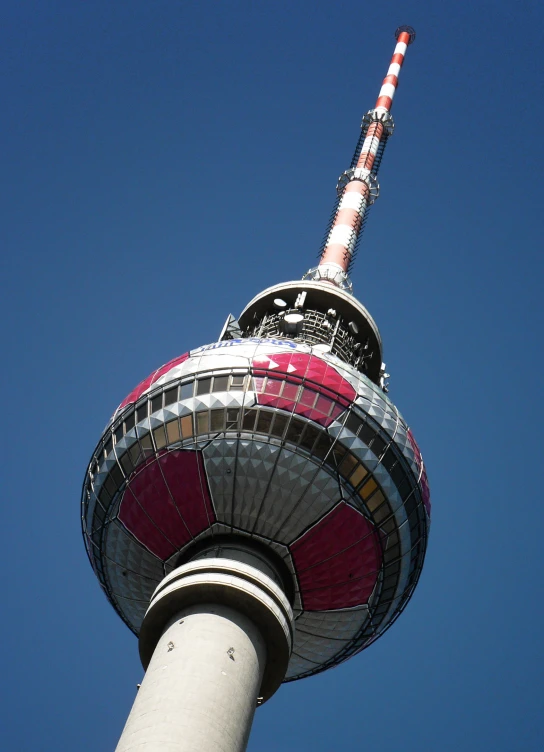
[[358, 187]]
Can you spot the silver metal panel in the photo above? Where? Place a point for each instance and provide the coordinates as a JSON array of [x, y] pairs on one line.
[[125, 586], [133, 611], [285, 489], [336, 625], [121, 548], [220, 464], [314, 493], [299, 665], [255, 464], [317, 649]]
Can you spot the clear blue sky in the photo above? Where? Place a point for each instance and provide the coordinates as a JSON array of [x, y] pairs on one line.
[[163, 162]]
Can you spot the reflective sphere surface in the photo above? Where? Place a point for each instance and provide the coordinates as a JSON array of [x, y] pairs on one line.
[[272, 441]]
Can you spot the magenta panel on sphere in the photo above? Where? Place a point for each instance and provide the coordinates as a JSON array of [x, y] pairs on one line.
[[337, 561], [147, 383], [425, 492], [167, 503]]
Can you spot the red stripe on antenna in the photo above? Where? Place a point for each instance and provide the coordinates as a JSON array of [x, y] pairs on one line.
[[350, 214]]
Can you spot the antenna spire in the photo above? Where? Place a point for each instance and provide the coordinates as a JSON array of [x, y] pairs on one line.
[[358, 187]]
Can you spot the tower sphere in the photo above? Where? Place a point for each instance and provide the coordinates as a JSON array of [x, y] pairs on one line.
[[280, 446]]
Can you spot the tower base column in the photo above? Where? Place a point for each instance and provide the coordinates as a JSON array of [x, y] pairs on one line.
[[216, 639]]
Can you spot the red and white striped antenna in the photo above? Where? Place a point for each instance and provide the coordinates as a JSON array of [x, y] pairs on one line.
[[358, 187]]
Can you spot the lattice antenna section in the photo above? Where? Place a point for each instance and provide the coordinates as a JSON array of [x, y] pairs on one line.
[[358, 187]]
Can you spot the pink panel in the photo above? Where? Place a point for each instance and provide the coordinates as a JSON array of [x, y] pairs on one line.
[[167, 502], [144, 385], [415, 447], [273, 386], [259, 383], [307, 398], [337, 560], [142, 527], [323, 405], [425, 491], [186, 479], [336, 411], [314, 414], [295, 363], [168, 366], [137, 392], [285, 404], [290, 391], [324, 379], [269, 400], [423, 480]]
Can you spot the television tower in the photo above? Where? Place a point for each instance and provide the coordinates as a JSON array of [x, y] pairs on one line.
[[257, 510]]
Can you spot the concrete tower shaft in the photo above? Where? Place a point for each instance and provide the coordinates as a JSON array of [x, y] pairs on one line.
[[215, 642]]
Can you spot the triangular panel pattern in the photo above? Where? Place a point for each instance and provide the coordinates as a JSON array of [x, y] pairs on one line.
[[220, 463], [318, 494], [299, 666], [129, 554], [335, 625], [256, 461], [133, 611], [317, 649]]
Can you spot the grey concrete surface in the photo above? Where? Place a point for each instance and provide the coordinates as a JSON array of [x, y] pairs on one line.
[[200, 690], [217, 636]]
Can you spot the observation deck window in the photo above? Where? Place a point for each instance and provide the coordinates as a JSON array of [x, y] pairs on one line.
[[147, 446], [217, 420], [295, 430], [233, 415], [159, 437], [186, 427], [280, 422], [375, 500], [264, 422], [368, 488], [186, 390], [220, 383], [248, 421], [135, 454], [171, 396], [202, 422], [311, 434], [203, 386], [359, 474], [172, 431], [126, 464]]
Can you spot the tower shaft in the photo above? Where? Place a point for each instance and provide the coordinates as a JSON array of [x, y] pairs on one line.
[[196, 695], [215, 641]]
